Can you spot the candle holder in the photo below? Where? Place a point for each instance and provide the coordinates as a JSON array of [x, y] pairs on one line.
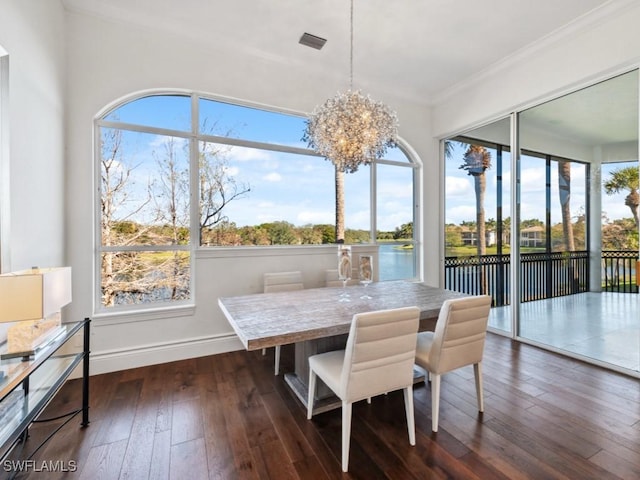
[[365, 273], [344, 270]]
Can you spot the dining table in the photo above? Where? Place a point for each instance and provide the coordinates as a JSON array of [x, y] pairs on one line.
[[318, 320]]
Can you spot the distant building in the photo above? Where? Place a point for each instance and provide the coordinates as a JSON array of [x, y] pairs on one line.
[[470, 237], [532, 237]]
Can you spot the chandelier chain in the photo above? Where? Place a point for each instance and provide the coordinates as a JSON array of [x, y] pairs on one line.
[[351, 129], [351, 52]]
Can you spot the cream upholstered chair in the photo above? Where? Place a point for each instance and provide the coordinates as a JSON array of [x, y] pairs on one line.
[[378, 358], [458, 340], [281, 282]]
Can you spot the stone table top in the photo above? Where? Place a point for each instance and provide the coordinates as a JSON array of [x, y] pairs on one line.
[[268, 319]]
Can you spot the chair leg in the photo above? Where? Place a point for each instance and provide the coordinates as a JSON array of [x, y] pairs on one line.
[[346, 434], [408, 406], [477, 371], [435, 401], [277, 363], [312, 393]]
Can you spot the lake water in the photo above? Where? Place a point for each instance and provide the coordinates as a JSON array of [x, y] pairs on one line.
[[395, 263]]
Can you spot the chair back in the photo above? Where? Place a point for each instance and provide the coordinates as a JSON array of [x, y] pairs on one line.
[[380, 353], [460, 332], [282, 282]]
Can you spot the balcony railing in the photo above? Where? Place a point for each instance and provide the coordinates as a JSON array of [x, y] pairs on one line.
[[543, 275], [619, 271]]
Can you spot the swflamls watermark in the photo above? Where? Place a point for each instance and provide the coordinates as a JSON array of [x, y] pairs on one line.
[[40, 466]]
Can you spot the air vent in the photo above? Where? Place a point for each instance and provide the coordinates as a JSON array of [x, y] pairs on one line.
[[312, 41]]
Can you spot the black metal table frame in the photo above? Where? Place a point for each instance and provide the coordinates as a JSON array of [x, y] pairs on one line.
[[21, 433]]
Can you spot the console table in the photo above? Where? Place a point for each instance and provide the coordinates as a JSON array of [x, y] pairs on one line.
[[29, 384]]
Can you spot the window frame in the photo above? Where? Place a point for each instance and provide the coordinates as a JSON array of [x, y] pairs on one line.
[[194, 137]]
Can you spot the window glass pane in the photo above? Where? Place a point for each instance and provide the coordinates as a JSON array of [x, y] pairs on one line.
[[533, 204], [130, 278], [396, 154], [144, 188], [395, 222], [357, 206], [259, 197], [568, 193], [246, 196], [235, 121], [161, 111], [619, 229]]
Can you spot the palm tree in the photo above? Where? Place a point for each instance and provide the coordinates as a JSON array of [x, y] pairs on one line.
[[625, 179], [339, 205], [564, 189], [448, 149], [477, 160]]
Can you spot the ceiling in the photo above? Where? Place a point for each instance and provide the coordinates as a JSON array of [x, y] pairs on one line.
[[421, 48]]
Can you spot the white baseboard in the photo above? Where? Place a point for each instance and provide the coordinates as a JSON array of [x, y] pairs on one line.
[[115, 360]]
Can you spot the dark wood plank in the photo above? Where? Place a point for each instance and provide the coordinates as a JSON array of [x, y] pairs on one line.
[[188, 460], [227, 416]]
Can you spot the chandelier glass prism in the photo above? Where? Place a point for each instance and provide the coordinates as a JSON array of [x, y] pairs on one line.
[[351, 129]]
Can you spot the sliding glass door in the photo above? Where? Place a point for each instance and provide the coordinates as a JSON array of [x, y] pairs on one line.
[[578, 240], [478, 218], [563, 275]]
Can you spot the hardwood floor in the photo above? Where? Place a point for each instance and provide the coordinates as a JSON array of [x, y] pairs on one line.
[[227, 416]]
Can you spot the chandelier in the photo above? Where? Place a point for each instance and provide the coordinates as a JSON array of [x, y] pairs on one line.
[[351, 129]]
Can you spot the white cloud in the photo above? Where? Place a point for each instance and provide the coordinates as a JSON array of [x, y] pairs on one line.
[[461, 213], [161, 140], [395, 190], [358, 220], [390, 222], [272, 177], [316, 217], [241, 154], [232, 171], [456, 186]]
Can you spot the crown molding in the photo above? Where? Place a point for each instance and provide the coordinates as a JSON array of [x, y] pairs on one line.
[[603, 13]]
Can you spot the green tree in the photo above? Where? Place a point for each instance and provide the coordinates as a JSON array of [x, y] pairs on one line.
[[564, 191], [281, 233], [453, 236], [309, 235], [620, 234], [327, 232], [477, 160], [625, 179], [404, 231]]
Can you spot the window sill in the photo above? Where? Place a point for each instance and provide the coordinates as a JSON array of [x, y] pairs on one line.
[[276, 250], [148, 314]]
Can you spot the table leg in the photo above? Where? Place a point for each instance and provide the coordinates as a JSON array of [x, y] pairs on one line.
[[299, 380]]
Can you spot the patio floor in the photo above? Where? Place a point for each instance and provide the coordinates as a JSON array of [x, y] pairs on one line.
[[600, 326]]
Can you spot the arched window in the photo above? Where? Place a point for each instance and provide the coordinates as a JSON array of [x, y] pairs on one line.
[[253, 183]]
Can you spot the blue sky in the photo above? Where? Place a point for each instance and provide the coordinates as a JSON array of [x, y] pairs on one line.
[[299, 189], [460, 200], [295, 188]]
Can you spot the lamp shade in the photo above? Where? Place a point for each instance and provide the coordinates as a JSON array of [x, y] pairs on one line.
[[34, 294]]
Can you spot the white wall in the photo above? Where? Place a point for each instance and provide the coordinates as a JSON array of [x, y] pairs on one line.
[[109, 61], [32, 34], [584, 55]]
